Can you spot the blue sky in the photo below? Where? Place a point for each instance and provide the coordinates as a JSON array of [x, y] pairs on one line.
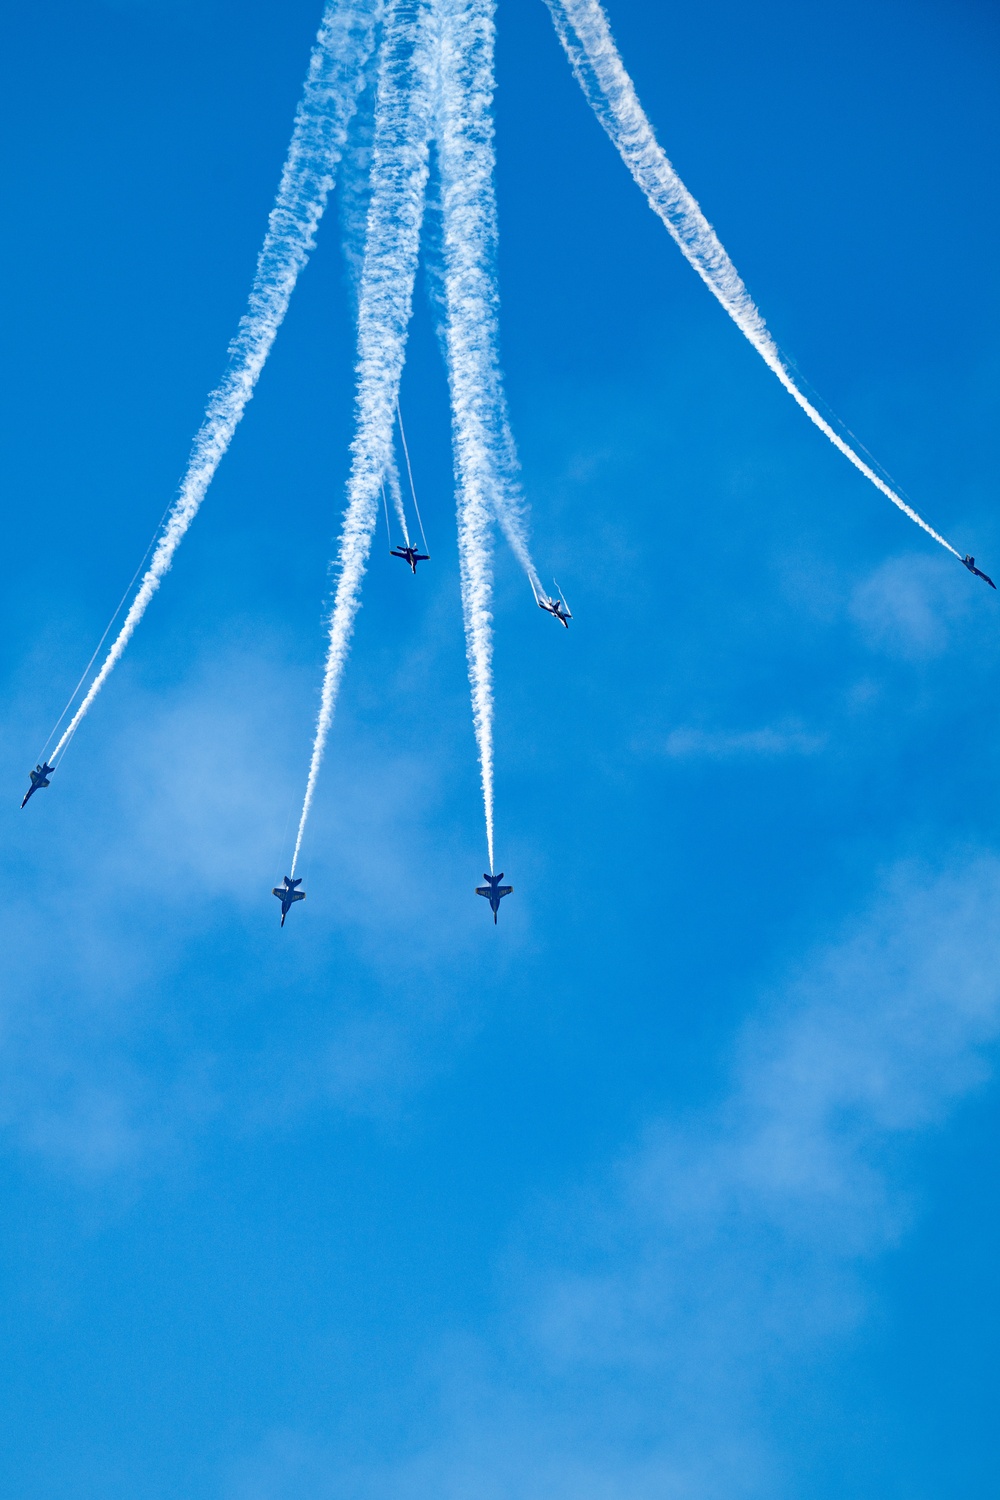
[[680, 1182]]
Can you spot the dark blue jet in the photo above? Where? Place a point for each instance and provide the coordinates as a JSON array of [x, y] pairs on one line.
[[288, 895], [970, 563], [557, 608], [494, 892], [39, 778], [410, 555]]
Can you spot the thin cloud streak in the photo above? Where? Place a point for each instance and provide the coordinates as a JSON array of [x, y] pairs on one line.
[[765, 743]]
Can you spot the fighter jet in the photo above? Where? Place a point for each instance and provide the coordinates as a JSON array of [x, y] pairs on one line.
[[970, 563], [288, 895], [494, 892], [556, 607], [39, 778], [410, 555]]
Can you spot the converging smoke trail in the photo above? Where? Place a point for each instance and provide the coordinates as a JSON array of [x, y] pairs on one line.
[[353, 200], [469, 233], [354, 179], [395, 215], [395, 491], [586, 37], [485, 461], [336, 72]]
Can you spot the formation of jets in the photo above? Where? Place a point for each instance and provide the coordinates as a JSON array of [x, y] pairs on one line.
[[288, 892]]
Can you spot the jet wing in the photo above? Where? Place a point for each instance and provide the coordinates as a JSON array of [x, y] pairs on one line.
[[505, 890], [483, 890]]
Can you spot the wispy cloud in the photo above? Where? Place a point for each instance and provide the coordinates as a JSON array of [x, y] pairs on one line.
[[719, 744], [139, 915], [908, 607], [875, 1038], [652, 1322]]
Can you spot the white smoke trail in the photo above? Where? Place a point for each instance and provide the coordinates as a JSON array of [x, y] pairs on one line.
[[485, 461], [396, 495], [354, 181], [476, 560], [586, 36], [469, 236], [399, 178], [354, 198], [335, 75], [475, 552]]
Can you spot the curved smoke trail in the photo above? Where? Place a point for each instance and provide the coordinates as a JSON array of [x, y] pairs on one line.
[[396, 495], [586, 36], [395, 215], [485, 458], [336, 70]]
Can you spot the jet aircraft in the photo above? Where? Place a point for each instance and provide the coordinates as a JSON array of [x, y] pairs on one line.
[[410, 555], [288, 895], [556, 607], [39, 778], [970, 563], [494, 892]]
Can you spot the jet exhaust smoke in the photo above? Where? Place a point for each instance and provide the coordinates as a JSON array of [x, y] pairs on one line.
[[469, 233], [586, 37], [335, 76], [385, 300], [393, 486], [485, 458]]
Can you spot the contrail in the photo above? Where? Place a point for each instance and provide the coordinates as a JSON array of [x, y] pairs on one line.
[[586, 36], [395, 215], [469, 235], [336, 72], [485, 459]]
